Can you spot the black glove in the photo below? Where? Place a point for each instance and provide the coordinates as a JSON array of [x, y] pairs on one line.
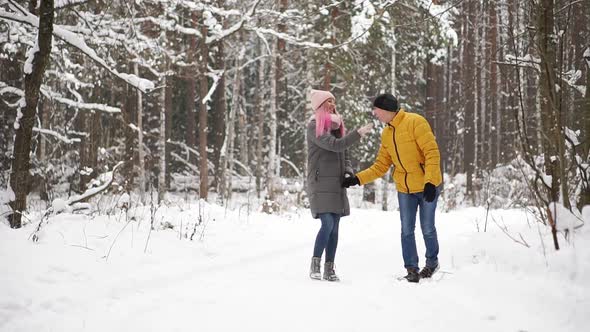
[[429, 192], [350, 181], [348, 174]]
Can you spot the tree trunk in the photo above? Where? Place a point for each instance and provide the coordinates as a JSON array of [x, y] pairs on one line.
[[19, 175], [469, 97], [232, 121], [496, 97], [385, 191], [334, 13], [45, 124], [369, 192], [227, 150], [203, 89], [10, 72], [585, 199], [261, 110], [548, 96], [219, 115], [393, 82], [162, 139], [141, 151], [128, 170], [272, 123], [168, 115], [191, 139], [551, 126]]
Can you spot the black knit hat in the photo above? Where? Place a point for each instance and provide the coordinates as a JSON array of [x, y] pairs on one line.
[[386, 102]]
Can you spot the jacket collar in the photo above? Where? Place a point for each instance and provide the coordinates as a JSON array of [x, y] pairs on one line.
[[401, 114]]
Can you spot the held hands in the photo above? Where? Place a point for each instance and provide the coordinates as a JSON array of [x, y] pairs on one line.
[[350, 181], [365, 129], [429, 192]]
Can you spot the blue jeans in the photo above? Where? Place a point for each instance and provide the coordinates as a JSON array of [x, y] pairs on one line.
[[408, 205], [327, 238]]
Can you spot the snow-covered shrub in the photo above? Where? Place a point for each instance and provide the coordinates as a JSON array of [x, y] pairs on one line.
[[504, 187]]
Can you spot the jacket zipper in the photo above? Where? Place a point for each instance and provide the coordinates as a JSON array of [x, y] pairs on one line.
[[400, 161]]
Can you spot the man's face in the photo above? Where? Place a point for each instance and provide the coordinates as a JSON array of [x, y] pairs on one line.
[[383, 115]]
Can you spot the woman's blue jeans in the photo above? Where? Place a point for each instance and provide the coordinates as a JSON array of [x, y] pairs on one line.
[[408, 206], [327, 238]]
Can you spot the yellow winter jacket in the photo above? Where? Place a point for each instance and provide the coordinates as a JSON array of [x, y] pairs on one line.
[[408, 143]]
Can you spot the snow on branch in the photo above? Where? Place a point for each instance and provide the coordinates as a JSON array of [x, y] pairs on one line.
[[187, 150], [215, 75], [75, 203], [72, 39], [184, 146], [290, 163], [69, 78], [60, 4], [108, 176], [6, 89], [289, 39], [168, 25], [185, 162], [531, 62], [233, 29], [56, 135], [199, 6], [80, 105], [244, 167], [444, 13]]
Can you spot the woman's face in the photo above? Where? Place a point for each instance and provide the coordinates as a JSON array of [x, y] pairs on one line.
[[330, 105]]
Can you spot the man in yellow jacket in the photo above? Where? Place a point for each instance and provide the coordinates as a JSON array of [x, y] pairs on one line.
[[407, 143]]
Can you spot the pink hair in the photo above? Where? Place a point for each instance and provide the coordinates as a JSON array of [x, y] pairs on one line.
[[323, 122]]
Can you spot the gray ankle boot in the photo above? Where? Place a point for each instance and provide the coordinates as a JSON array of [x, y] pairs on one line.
[[329, 273], [314, 270]]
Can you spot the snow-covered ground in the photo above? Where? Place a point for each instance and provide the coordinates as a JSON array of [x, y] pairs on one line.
[[249, 272]]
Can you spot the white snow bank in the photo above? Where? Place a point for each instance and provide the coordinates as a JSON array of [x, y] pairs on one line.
[[110, 273]]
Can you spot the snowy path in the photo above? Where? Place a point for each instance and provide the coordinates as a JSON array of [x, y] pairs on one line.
[[252, 276]]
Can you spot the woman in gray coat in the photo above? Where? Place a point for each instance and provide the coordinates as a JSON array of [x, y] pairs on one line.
[[328, 165]]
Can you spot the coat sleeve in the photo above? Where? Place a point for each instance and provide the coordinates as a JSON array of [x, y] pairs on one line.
[[427, 144], [331, 143], [381, 165]]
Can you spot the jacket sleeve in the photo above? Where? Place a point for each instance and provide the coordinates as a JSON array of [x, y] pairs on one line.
[[331, 143], [427, 144], [381, 165]]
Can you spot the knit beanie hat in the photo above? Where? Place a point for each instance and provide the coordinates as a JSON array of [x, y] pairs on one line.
[[318, 97], [386, 102]]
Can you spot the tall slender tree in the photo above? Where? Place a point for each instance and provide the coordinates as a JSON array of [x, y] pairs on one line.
[[37, 61]]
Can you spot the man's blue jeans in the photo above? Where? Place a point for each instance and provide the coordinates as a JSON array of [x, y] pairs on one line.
[[327, 237], [408, 205]]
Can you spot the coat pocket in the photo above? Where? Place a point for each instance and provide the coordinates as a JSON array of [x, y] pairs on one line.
[[328, 184]]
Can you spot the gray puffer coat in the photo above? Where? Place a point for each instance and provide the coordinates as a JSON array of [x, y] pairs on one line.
[[327, 162]]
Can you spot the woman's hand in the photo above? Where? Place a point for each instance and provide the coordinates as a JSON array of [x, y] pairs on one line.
[[365, 129]]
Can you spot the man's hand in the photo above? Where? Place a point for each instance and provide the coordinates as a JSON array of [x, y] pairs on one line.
[[350, 181], [429, 192]]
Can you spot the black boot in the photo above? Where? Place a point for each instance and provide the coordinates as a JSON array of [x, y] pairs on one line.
[[427, 271], [413, 275]]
